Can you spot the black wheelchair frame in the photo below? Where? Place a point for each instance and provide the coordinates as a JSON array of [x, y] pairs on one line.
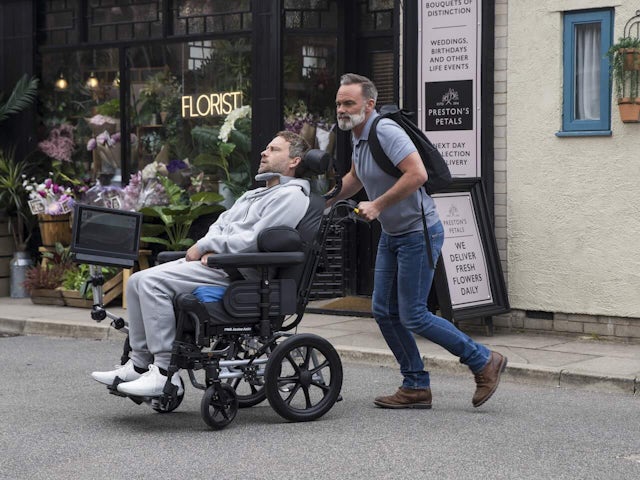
[[242, 343]]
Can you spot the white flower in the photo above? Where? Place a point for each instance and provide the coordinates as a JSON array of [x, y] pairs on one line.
[[229, 122], [102, 119], [150, 171]]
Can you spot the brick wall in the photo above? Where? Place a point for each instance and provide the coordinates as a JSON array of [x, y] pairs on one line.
[[615, 328], [500, 130]]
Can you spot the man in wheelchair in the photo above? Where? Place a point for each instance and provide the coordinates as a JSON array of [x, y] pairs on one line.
[[151, 293]]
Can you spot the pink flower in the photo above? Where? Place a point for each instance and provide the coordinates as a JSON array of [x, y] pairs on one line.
[[60, 144]]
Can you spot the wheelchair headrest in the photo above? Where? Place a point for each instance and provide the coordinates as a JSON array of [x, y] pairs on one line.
[[315, 162]]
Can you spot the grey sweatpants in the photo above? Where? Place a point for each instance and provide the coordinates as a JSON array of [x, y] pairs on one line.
[[150, 294]]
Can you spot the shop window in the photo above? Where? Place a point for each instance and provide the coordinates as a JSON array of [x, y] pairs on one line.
[[314, 59], [136, 19], [310, 86], [73, 22], [382, 76], [196, 16], [58, 22], [586, 85], [190, 108], [79, 94], [189, 115], [198, 52], [310, 14], [375, 15]]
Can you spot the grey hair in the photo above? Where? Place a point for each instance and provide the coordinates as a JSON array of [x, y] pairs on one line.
[[369, 90]]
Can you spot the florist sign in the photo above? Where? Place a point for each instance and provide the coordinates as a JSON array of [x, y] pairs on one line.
[[210, 104]]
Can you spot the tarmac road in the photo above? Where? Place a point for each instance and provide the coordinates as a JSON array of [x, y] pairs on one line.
[[57, 423]]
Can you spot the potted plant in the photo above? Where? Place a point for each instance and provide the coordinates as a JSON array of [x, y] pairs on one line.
[[227, 153], [22, 95], [178, 216], [44, 281], [625, 72], [13, 197], [159, 92], [12, 193], [19, 221], [76, 292]]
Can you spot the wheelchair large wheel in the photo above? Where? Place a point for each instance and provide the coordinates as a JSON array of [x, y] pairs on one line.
[[248, 392], [175, 403], [303, 377], [219, 405]]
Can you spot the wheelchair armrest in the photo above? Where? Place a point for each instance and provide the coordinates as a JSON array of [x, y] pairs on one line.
[[164, 257], [258, 259]]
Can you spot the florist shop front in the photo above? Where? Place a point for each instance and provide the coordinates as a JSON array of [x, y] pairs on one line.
[[168, 103]]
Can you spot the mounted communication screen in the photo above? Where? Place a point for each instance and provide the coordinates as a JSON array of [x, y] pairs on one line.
[[103, 236]]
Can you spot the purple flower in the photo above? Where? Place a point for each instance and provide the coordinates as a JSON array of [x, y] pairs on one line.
[[175, 165], [92, 144]]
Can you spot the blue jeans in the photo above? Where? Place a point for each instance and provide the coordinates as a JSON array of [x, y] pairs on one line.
[[403, 277]]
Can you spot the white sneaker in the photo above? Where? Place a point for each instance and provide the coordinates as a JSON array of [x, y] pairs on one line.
[[125, 372], [150, 384]]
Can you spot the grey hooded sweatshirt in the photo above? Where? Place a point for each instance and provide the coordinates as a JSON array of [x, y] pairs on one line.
[[237, 229]]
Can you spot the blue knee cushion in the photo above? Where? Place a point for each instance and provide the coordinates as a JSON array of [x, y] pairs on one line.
[[209, 293]]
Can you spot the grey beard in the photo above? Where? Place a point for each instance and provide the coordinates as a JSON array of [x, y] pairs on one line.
[[353, 121]]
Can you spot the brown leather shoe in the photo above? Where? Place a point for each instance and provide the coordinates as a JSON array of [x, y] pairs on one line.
[[488, 378], [406, 398]]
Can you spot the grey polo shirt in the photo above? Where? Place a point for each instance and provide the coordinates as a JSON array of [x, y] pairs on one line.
[[404, 216]]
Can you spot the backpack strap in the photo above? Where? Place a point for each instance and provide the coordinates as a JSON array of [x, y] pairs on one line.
[[427, 238], [381, 158]]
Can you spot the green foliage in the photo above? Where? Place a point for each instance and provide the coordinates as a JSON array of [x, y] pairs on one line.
[[76, 278], [229, 65], [110, 108], [61, 255], [178, 216], [627, 82], [229, 160], [23, 94], [14, 196]]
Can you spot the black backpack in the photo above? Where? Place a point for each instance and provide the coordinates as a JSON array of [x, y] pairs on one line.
[[437, 169]]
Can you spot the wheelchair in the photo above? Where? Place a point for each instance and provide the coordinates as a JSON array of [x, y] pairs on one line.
[[242, 342]]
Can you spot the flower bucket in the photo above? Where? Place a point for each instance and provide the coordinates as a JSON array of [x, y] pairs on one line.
[[55, 229]]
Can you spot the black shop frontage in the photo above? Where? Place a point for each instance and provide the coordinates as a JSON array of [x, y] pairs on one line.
[[167, 79]]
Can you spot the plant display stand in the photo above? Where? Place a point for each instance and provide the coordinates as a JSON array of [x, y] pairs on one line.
[[43, 296], [112, 289]]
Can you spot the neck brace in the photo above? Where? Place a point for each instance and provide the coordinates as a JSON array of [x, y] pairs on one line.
[[265, 177]]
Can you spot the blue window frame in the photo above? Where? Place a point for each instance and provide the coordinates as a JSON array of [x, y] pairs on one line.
[[586, 108]]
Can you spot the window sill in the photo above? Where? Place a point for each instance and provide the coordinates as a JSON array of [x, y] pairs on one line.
[[585, 133]]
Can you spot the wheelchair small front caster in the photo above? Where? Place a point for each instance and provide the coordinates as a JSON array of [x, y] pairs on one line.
[[219, 405]]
